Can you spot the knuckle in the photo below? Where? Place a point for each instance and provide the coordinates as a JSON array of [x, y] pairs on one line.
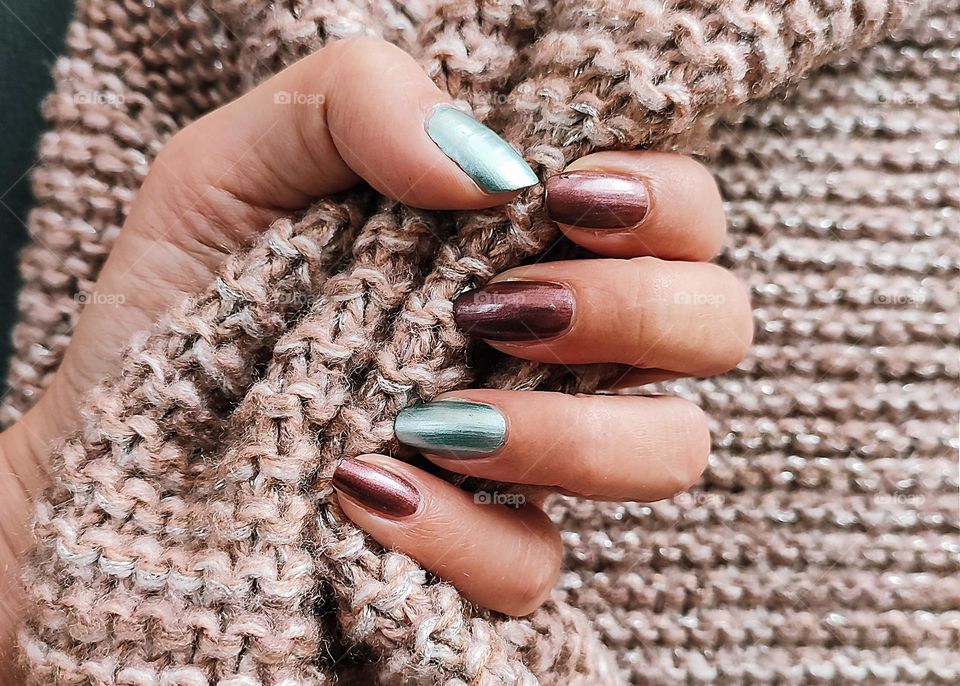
[[591, 474], [361, 57], [179, 148], [345, 46], [645, 315], [583, 435], [693, 437], [706, 183], [695, 460], [706, 180], [740, 327], [733, 338], [711, 213], [538, 580]]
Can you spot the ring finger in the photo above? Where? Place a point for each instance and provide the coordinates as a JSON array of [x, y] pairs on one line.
[[499, 550], [602, 447]]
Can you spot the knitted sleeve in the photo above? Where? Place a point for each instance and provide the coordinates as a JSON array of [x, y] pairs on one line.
[[191, 536]]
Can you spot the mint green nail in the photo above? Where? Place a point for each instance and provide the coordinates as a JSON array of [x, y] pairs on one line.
[[455, 427], [483, 155]]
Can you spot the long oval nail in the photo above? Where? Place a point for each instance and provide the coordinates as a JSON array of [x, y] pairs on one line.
[[454, 428], [486, 158], [516, 311], [376, 489], [597, 200]]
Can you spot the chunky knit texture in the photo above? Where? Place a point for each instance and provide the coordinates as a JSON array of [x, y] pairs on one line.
[[191, 537]]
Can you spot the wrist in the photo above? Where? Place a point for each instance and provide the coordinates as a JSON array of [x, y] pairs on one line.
[[25, 446], [15, 510], [19, 470], [24, 474], [24, 469]]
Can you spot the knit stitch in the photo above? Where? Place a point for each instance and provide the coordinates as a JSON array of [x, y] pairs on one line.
[[191, 536]]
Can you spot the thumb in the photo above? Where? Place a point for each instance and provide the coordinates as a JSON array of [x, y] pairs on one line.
[[358, 109]]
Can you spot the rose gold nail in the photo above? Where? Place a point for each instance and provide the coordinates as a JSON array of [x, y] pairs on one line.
[[376, 488], [515, 311], [597, 200]]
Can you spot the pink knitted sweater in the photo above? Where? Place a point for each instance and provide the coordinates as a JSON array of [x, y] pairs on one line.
[[191, 537]]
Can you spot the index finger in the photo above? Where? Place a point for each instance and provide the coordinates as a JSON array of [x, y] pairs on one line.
[[636, 204]]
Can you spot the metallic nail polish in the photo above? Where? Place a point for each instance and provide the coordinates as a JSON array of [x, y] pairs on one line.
[[482, 154], [457, 428], [376, 488], [515, 311], [597, 200]]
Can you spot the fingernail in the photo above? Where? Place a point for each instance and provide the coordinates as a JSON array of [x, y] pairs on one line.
[[597, 200], [483, 155], [376, 488], [515, 311], [456, 427]]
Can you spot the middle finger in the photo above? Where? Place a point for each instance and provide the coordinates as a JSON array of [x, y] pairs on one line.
[[687, 317]]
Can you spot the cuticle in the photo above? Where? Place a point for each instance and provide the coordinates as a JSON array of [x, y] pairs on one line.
[[421, 504], [430, 112], [648, 187]]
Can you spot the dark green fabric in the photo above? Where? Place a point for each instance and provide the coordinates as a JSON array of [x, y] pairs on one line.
[[31, 37]]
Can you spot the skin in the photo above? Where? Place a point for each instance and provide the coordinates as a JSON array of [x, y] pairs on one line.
[[217, 183]]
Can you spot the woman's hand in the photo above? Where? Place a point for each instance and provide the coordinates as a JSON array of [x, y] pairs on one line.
[[358, 109], [651, 304], [363, 110]]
